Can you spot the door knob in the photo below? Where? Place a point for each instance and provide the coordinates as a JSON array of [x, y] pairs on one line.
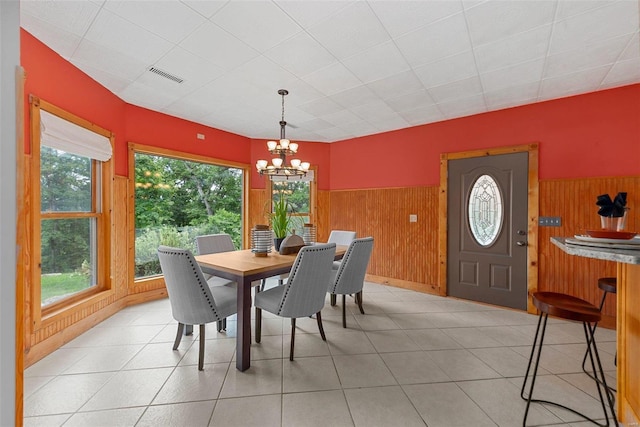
[[521, 243], [521, 232]]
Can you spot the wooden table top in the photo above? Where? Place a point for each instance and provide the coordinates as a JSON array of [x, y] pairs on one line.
[[245, 263]]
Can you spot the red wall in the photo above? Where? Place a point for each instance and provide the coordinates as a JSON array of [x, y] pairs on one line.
[[591, 135]]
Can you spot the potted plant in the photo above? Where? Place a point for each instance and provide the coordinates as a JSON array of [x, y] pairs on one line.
[[280, 220]]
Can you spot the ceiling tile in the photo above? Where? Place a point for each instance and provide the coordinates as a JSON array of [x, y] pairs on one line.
[[341, 118], [332, 79], [623, 72], [310, 12], [422, 115], [392, 122], [508, 51], [447, 70], [320, 107], [108, 60], [71, 16], [300, 55], [172, 21], [145, 96], [615, 19], [436, 41], [494, 20], [354, 97], [571, 84], [205, 8], [114, 32], [401, 17], [526, 72], [525, 93], [216, 45], [260, 24], [456, 90], [586, 56], [633, 48], [116, 84], [410, 101], [265, 74], [63, 42], [333, 31], [378, 62], [396, 85], [567, 9], [318, 124], [335, 133], [195, 70], [463, 107], [374, 111]]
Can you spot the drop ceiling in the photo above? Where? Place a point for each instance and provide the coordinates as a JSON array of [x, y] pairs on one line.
[[352, 68]]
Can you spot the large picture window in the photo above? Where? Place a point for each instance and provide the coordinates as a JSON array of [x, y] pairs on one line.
[[300, 193], [179, 198], [71, 233]]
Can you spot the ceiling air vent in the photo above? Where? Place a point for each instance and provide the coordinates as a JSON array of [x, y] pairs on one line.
[[166, 75]]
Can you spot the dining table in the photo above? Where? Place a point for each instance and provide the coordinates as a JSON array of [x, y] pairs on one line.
[[245, 267]]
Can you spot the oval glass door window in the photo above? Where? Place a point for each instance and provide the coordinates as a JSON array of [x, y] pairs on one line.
[[485, 210]]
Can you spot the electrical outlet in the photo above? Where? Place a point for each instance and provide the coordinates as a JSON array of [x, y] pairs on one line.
[[413, 218], [549, 221]]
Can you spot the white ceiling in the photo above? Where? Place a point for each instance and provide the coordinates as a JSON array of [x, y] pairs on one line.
[[352, 68]]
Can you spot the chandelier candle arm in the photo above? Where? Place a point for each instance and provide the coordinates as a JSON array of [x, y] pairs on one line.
[[281, 149]]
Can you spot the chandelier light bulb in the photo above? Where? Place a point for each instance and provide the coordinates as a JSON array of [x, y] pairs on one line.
[[305, 166], [261, 164], [277, 162], [284, 143], [295, 163], [271, 145], [293, 147]]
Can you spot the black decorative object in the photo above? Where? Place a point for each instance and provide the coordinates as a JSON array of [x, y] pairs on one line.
[[612, 208]]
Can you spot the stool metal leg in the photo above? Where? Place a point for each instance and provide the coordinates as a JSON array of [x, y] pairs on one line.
[[610, 390], [591, 350], [535, 369]]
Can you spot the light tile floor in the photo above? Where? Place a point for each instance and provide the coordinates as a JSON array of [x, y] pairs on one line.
[[413, 359]]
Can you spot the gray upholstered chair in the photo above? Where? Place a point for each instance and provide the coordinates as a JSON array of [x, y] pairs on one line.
[[342, 238], [304, 293], [213, 244], [193, 302], [349, 277]]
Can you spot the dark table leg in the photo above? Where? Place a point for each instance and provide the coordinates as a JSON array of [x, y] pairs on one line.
[[243, 339]]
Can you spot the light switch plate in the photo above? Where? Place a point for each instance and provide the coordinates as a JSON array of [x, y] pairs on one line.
[[413, 218]]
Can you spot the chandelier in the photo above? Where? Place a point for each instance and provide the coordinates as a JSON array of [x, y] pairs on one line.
[[282, 149]]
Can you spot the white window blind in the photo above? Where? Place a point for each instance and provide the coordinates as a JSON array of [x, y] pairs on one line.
[[307, 178], [63, 135]]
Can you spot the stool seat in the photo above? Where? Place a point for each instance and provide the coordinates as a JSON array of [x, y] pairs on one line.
[[608, 284], [566, 306]]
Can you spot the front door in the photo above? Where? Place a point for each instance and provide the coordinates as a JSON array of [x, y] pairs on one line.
[[487, 229]]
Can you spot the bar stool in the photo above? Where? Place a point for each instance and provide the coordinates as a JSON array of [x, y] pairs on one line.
[[609, 285], [570, 308]]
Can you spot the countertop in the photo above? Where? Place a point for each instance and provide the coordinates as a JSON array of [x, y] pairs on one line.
[[627, 256]]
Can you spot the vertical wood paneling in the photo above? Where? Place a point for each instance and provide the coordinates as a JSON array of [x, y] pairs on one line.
[[257, 209], [323, 216], [402, 250], [574, 201], [120, 237]]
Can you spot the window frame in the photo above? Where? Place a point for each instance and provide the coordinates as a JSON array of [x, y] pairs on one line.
[[155, 282], [313, 196], [100, 211]]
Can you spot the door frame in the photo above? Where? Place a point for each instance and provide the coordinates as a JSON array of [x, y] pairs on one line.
[[532, 221]]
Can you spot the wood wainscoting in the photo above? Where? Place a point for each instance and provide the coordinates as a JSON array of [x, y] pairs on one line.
[[405, 254], [574, 201]]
